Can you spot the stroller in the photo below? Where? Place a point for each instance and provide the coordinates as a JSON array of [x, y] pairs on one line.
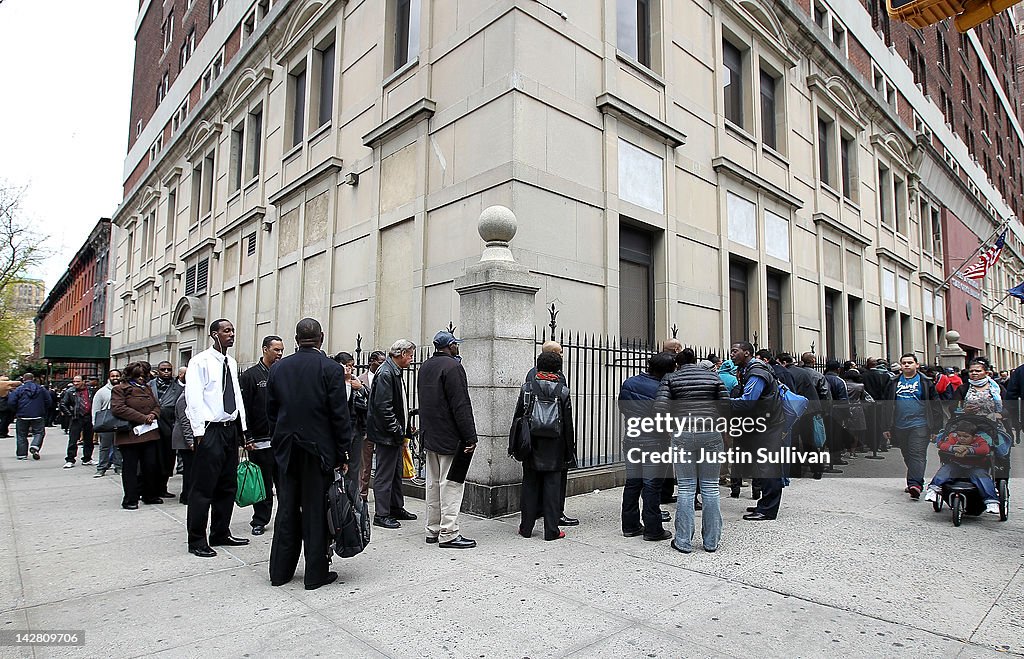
[[959, 493]]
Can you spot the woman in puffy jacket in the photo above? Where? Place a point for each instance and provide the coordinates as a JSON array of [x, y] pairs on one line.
[[133, 401]]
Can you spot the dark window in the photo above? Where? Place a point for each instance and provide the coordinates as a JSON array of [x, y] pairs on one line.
[[892, 331], [824, 151], [326, 84], [636, 285], [852, 322], [298, 106], [831, 329], [849, 154], [768, 128], [237, 140], [774, 293], [402, 12], [739, 311], [733, 82], [250, 244], [255, 141]]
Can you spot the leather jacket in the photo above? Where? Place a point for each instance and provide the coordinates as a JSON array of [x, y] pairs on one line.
[[386, 417]]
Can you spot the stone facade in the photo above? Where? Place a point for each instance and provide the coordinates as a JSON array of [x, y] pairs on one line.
[[648, 194]]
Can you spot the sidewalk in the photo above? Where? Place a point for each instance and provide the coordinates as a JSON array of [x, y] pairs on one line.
[[851, 568]]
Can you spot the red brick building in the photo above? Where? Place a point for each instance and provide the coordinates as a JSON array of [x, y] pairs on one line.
[[77, 304]]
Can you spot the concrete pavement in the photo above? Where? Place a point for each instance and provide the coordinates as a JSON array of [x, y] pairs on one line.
[[851, 568]]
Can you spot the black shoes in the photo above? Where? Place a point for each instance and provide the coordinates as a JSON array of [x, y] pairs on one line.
[[633, 533], [734, 492], [386, 522], [34, 450], [458, 542], [165, 495], [665, 535], [202, 552], [568, 521], [130, 506], [751, 509], [152, 502], [331, 578], [757, 517], [230, 541], [259, 530], [431, 539], [403, 514]]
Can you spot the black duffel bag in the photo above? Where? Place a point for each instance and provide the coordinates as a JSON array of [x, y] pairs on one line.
[[348, 519]]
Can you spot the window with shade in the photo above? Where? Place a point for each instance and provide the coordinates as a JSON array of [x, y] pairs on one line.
[[636, 285], [739, 303], [633, 26], [769, 111], [773, 289], [732, 82]]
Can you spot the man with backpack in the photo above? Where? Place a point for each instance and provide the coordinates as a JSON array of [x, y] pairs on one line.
[[760, 400]]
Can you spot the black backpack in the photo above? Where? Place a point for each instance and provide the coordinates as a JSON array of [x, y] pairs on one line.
[[348, 519], [546, 413]]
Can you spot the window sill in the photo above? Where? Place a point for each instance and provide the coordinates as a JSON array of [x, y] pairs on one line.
[[248, 187], [829, 190], [640, 69], [291, 153], [740, 133], [902, 238], [851, 204], [775, 155], [235, 196], [401, 71], [318, 133]]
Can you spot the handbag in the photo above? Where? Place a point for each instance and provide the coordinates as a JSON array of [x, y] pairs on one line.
[[408, 468], [819, 431], [250, 484], [106, 421], [520, 440], [348, 519]]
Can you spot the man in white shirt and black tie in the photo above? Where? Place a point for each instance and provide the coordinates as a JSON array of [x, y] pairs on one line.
[[213, 404]]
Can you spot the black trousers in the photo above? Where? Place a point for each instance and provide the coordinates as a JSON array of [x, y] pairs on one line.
[[80, 428], [540, 495], [214, 481], [139, 472], [166, 457], [301, 522], [187, 458], [262, 510], [387, 481]]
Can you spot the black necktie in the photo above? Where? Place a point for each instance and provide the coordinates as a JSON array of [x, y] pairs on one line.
[[229, 390]]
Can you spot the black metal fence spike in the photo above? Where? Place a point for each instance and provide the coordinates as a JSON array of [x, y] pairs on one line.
[[450, 329], [675, 330]]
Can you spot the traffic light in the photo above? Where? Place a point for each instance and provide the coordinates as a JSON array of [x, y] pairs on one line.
[[968, 13]]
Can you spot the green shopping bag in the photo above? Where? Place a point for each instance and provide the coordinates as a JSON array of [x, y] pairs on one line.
[[250, 484]]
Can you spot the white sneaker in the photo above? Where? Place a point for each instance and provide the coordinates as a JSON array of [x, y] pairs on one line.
[[69, 465], [992, 507], [87, 462], [931, 495]]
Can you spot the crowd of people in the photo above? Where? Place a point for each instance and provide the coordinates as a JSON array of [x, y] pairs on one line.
[[307, 420]]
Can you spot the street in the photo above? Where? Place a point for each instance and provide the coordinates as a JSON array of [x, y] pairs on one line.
[[850, 568]]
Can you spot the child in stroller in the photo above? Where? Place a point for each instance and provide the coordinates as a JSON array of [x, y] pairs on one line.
[[966, 448]]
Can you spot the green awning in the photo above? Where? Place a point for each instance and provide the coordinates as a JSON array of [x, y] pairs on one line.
[[74, 348]]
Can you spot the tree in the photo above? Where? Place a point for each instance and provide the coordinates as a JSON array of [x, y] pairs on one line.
[[21, 250]]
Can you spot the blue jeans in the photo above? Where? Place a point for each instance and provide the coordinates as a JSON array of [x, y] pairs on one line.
[[914, 444], [22, 427], [978, 476], [688, 472]]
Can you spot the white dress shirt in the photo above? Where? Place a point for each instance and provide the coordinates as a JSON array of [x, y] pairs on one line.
[[204, 391]]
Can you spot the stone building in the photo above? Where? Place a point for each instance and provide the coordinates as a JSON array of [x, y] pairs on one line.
[[775, 171]]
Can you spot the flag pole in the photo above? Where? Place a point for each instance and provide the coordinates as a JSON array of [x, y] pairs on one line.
[[1004, 224], [999, 303]]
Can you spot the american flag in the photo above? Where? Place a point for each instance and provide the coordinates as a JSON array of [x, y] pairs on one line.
[[987, 260]]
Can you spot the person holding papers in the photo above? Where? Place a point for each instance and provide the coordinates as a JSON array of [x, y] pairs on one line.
[[133, 401], [253, 383]]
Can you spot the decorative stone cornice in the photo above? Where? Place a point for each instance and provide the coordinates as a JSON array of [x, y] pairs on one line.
[[723, 165], [609, 103], [330, 166], [835, 225], [418, 111], [885, 252]]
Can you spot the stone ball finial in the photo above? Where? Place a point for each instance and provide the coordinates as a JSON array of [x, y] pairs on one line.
[[497, 227], [952, 337]]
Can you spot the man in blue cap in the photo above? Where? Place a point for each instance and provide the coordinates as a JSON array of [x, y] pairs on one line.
[[446, 428]]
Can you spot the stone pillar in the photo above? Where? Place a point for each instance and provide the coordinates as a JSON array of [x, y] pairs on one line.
[[496, 302], [953, 355]]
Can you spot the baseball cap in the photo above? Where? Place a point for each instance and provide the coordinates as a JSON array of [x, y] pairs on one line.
[[444, 339]]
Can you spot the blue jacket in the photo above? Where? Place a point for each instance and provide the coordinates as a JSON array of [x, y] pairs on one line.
[[639, 387], [29, 401]]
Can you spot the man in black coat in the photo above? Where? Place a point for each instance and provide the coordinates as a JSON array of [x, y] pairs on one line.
[[447, 428], [166, 389], [308, 416], [387, 426], [253, 383]]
